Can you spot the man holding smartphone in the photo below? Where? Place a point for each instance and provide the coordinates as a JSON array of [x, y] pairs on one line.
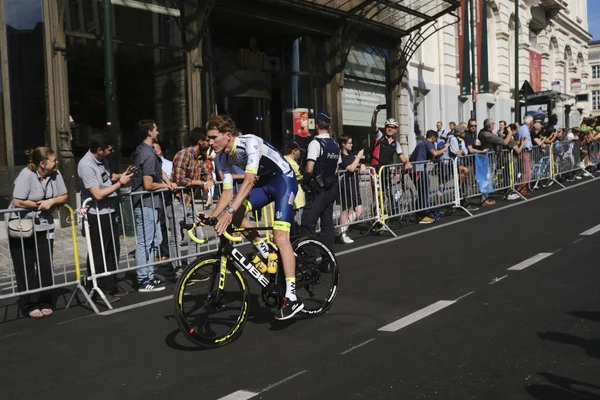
[[382, 153], [102, 186], [386, 145]]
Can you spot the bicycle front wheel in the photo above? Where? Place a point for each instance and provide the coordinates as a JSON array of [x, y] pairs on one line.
[[210, 316], [317, 275]]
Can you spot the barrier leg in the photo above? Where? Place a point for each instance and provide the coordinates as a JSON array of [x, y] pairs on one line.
[[88, 298]]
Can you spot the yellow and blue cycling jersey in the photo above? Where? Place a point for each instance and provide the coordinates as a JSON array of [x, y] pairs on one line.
[[276, 180]]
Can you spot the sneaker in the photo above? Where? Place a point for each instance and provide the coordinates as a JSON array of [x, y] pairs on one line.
[[289, 309], [345, 239], [150, 287], [426, 220], [489, 202], [512, 196], [471, 207], [158, 282]]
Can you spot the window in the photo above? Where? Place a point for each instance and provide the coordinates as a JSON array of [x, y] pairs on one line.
[[595, 71], [490, 110], [596, 99]]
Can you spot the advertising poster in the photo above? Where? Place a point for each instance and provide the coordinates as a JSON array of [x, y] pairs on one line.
[[300, 117]]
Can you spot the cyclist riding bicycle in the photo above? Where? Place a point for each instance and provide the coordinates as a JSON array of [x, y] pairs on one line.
[[268, 177]]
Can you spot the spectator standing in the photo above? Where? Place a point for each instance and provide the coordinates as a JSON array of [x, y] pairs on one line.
[[425, 151], [320, 182], [149, 177], [39, 188], [190, 171], [102, 186], [384, 149], [293, 154], [350, 199], [167, 168], [524, 133]]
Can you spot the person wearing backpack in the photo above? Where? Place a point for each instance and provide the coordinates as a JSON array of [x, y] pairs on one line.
[[383, 151]]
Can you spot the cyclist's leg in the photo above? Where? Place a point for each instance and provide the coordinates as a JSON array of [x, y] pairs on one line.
[[283, 190], [257, 199]]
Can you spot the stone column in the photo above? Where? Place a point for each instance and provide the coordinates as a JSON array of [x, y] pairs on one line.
[[59, 129]]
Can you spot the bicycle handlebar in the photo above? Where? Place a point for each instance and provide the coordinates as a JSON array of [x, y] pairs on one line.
[[211, 222]]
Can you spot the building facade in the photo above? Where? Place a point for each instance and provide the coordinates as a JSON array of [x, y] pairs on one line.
[[594, 82], [554, 31]]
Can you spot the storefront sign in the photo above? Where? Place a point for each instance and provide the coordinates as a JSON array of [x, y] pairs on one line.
[[359, 99]]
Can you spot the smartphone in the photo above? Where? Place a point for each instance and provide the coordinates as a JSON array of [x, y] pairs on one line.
[[382, 107]]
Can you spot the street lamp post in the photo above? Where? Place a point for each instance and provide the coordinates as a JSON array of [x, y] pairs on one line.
[[112, 115]]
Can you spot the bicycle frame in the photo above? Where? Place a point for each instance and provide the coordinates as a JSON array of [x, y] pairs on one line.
[[226, 250]]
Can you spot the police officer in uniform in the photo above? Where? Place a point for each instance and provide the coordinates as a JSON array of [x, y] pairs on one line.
[[320, 182]]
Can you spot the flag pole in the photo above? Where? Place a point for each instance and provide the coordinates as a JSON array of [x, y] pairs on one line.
[[473, 71], [517, 102]]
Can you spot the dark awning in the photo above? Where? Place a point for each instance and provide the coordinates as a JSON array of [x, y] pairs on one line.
[[547, 95], [394, 17]]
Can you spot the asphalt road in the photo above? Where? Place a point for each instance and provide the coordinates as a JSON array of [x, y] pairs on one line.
[[531, 333]]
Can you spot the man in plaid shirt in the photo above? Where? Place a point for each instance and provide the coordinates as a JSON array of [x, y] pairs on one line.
[[190, 169]]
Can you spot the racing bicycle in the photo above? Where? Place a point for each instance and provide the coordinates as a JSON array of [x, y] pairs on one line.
[[212, 294]]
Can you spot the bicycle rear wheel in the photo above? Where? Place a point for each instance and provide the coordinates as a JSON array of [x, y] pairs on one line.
[[208, 316], [317, 275]]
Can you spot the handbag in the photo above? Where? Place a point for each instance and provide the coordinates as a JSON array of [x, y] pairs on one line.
[[20, 228]]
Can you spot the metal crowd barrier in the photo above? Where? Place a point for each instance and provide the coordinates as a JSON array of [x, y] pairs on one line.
[[429, 185], [567, 159], [31, 269], [500, 172], [131, 237], [358, 200]]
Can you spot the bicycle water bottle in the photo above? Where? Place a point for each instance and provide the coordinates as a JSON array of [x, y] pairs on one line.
[[272, 262], [259, 264]]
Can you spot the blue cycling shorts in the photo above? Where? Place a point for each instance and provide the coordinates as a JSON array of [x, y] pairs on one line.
[[280, 190]]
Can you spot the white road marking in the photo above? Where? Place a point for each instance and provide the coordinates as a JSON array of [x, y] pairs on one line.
[[239, 395], [590, 231], [380, 242], [496, 280], [7, 336], [464, 295], [529, 262], [271, 386], [416, 316], [357, 346], [578, 240], [138, 305]]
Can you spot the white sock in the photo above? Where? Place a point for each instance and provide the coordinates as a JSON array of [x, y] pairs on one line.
[[262, 248], [290, 288]]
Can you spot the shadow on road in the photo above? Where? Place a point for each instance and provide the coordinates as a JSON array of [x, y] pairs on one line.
[[562, 388], [590, 346], [591, 315]]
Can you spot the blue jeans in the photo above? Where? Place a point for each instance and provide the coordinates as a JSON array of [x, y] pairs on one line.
[[147, 227]]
